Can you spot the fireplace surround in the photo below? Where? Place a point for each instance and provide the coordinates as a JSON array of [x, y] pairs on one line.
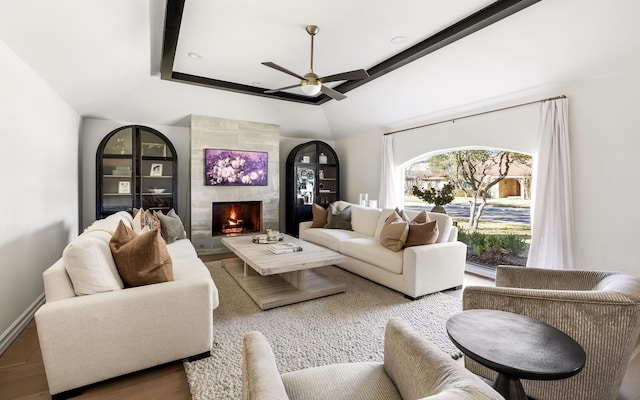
[[235, 217]]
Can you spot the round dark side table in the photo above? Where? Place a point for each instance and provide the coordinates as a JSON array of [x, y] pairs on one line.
[[516, 347]]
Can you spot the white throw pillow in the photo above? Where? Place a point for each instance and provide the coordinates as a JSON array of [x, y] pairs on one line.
[[90, 265]]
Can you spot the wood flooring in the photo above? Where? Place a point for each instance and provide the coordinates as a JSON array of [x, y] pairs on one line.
[[22, 375]]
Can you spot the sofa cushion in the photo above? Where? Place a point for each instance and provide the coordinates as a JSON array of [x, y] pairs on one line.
[[337, 219], [319, 216], [364, 219], [90, 265], [369, 250], [329, 238], [171, 226], [141, 259], [394, 232], [363, 380]]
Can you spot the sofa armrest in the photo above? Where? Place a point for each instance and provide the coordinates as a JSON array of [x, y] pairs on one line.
[[57, 284], [86, 339], [304, 225], [260, 376], [434, 267]]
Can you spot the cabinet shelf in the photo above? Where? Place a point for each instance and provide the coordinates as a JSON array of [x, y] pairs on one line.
[[150, 162]]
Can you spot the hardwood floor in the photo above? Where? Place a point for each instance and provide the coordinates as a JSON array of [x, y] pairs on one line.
[[22, 375]]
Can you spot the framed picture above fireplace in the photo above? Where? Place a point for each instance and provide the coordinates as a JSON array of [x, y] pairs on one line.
[[235, 167]]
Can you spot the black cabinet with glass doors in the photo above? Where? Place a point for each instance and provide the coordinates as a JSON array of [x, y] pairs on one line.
[[137, 167], [313, 176]]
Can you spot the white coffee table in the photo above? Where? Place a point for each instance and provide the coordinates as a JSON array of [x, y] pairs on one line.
[[274, 280]]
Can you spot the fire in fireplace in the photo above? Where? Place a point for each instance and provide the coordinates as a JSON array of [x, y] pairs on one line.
[[235, 217]]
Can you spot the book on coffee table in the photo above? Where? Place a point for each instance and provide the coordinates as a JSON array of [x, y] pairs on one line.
[[282, 248]]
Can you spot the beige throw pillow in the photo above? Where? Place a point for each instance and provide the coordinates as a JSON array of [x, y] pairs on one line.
[[422, 230], [141, 259], [319, 216], [394, 232], [90, 265]]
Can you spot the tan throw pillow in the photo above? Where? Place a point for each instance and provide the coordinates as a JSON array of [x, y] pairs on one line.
[[422, 230], [394, 232], [339, 219], [141, 259], [319, 216]]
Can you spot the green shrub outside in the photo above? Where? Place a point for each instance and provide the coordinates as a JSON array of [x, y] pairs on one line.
[[478, 243]]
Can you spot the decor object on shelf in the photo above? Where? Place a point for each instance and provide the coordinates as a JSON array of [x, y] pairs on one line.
[[235, 168], [322, 159], [364, 199], [412, 368], [124, 187], [436, 197], [156, 170]]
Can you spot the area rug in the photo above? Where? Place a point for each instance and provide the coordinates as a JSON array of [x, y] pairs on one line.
[[346, 327]]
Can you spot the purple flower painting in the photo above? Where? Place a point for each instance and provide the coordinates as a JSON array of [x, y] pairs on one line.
[[235, 168]]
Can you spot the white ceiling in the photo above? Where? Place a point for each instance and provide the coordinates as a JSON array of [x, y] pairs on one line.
[[103, 57]]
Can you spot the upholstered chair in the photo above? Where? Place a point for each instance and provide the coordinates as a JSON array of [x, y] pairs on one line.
[[413, 368], [600, 310]]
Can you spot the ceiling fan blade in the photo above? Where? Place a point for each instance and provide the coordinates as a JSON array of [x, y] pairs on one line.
[[334, 94], [346, 76], [281, 69], [281, 89]]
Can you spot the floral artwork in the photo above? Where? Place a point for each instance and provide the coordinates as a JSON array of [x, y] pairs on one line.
[[235, 168]]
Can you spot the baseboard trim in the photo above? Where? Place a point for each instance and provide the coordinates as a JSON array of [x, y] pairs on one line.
[[12, 333]]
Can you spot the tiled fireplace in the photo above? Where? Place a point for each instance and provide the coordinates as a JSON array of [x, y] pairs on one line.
[[235, 217], [220, 133]]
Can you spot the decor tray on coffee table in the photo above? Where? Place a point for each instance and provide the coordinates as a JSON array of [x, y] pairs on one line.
[[274, 280]]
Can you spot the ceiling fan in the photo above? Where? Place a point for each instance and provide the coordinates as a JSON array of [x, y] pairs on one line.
[[311, 84]]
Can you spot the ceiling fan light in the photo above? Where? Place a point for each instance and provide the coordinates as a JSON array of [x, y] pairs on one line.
[[311, 89]]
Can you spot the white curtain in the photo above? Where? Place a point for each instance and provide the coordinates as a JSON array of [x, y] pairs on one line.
[[388, 197], [551, 216]]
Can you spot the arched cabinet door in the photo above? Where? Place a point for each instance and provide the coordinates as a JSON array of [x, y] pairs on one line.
[[136, 167], [313, 176]]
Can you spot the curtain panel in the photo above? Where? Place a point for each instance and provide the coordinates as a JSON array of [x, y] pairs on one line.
[[551, 215]]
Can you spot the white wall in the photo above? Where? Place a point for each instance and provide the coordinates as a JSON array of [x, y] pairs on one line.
[[39, 197], [604, 141], [94, 130]]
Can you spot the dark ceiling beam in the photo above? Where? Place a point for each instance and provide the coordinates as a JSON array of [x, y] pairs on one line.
[[172, 22], [492, 13]]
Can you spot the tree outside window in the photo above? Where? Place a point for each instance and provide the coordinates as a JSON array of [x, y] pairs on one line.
[[482, 179]]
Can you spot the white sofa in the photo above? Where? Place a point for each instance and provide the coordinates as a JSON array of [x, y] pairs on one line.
[[414, 271], [90, 338]]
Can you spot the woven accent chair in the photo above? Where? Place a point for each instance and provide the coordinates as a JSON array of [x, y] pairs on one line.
[[600, 310], [413, 368]]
